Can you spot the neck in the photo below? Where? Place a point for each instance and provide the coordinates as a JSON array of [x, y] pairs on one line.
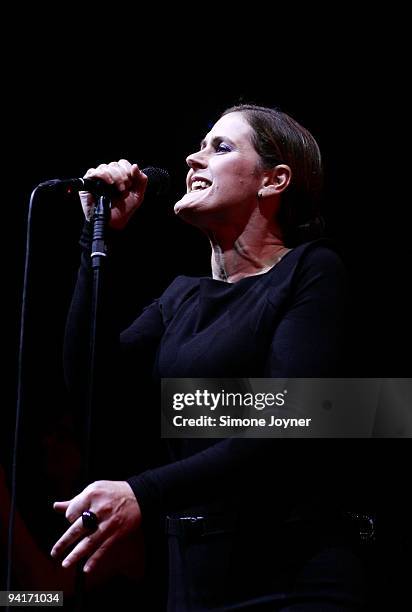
[[256, 250]]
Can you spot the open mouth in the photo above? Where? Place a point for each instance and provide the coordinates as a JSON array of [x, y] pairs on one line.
[[200, 185]]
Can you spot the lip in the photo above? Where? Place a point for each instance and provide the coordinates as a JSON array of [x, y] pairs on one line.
[[198, 177]]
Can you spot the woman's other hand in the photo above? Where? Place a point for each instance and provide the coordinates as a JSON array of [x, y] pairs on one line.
[[118, 529]]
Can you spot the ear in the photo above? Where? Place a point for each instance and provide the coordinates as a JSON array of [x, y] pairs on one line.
[[275, 181]]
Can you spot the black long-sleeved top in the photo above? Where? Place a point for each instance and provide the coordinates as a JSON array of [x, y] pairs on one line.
[[284, 323]]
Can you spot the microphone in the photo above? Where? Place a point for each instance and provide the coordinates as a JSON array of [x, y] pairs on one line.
[[158, 184]]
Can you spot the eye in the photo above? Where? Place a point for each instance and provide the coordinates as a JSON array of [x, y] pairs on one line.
[[221, 147]]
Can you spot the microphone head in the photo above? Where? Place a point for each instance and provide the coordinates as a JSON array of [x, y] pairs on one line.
[[159, 181]]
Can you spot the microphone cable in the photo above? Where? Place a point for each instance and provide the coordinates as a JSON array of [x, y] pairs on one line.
[[19, 398]]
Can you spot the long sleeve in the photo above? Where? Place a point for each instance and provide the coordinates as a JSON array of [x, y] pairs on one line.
[[77, 332], [139, 341]]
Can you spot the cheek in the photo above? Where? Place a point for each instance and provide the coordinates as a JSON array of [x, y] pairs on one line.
[[240, 180], [240, 172]]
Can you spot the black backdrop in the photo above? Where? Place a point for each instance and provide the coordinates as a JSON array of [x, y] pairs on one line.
[[61, 124]]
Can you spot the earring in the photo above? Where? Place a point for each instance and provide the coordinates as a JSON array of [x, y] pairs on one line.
[[259, 195]]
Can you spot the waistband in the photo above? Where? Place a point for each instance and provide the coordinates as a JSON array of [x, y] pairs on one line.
[[361, 525], [196, 526]]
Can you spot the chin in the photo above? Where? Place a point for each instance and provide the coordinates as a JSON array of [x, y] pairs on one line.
[[194, 215], [189, 204], [188, 213]]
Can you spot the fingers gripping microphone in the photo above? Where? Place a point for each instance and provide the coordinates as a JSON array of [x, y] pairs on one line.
[[158, 184]]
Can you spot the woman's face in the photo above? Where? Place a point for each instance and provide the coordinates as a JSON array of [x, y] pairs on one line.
[[224, 175]]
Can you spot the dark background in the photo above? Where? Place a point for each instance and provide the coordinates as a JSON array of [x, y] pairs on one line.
[[68, 110]]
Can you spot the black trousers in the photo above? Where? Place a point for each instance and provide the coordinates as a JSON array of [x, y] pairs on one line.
[[220, 565]]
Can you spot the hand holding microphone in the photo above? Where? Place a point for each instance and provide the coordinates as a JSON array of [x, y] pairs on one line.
[[129, 185], [123, 182]]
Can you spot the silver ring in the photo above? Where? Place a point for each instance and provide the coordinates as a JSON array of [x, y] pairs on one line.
[[89, 520]]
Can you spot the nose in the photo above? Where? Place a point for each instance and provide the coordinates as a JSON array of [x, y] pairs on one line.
[[196, 160]]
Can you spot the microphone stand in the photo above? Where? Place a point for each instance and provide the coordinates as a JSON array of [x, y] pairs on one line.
[[98, 254]]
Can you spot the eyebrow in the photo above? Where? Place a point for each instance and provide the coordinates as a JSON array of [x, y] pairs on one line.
[[217, 139]]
